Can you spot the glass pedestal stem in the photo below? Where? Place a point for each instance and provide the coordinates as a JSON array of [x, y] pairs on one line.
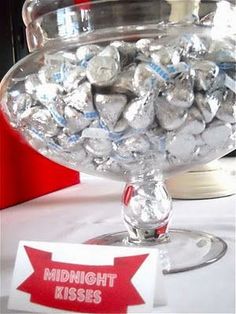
[[146, 209]]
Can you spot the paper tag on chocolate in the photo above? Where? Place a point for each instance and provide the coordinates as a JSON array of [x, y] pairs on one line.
[[55, 277]]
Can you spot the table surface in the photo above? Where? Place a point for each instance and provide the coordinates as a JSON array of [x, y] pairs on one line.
[[92, 208]]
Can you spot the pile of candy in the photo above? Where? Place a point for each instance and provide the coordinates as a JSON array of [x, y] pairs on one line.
[[107, 108]]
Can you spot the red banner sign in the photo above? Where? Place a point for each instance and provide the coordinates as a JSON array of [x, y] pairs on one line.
[[83, 288]]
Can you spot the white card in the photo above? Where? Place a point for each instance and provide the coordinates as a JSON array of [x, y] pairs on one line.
[[56, 277]]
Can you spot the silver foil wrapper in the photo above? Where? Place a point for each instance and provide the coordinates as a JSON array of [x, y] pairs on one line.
[[219, 82], [18, 107], [74, 78], [157, 44], [124, 83], [169, 117], [75, 120], [166, 55], [222, 51], [205, 74], [121, 125], [157, 138], [181, 146], [41, 121], [110, 108], [48, 93], [57, 112], [31, 84], [217, 134], [85, 53], [36, 140], [227, 110], [127, 51], [143, 45], [99, 147], [102, 71], [208, 104], [95, 131], [191, 46], [144, 79], [70, 142], [112, 52], [131, 148], [55, 74], [81, 99], [73, 150], [181, 93], [110, 166], [194, 124], [140, 112]]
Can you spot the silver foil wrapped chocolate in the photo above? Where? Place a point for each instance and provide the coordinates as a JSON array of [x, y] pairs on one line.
[[21, 105], [140, 112], [41, 121], [31, 83], [74, 78], [70, 142], [144, 79], [222, 51], [110, 166], [219, 82], [157, 138], [102, 71], [143, 45], [217, 134], [47, 93], [166, 55], [131, 148], [124, 83], [82, 100], [112, 52], [57, 112], [95, 131], [99, 147], [56, 73], [208, 104], [75, 120], [110, 108], [205, 74], [75, 153], [191, 46], [181, 93], [169, 117], [121, 125], [227, 110], [87, 52], [181, 146], [127, 51], [195, 123]]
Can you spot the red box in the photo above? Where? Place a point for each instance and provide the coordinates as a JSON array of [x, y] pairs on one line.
[[25, 174]]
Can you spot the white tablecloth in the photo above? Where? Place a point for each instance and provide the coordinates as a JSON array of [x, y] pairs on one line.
[[93, 208]]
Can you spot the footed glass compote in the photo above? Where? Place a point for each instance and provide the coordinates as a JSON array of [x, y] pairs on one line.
[[134, 91], [147, 208]]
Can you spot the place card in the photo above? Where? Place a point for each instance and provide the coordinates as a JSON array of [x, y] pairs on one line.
[[81, 278]]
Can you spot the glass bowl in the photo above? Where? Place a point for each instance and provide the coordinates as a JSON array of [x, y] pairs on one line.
[[130, 90]]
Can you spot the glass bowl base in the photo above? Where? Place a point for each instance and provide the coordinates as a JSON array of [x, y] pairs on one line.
[[181, 251]]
